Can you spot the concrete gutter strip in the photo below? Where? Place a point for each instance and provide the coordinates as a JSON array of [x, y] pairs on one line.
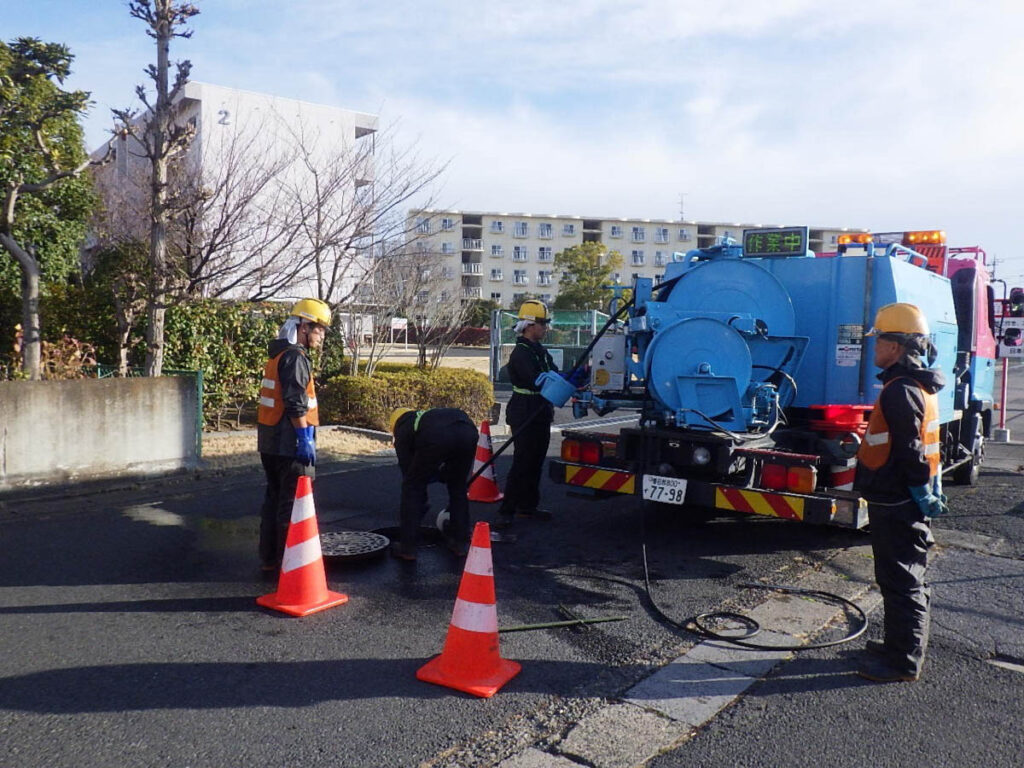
[[668, 707]]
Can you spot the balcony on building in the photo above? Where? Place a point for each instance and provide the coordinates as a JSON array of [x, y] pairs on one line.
[[472, 293], [591, 231], [471, 268], [472, 244]]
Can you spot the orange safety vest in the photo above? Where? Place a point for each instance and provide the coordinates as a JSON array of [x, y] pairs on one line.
[[874, 450], [271, 407]]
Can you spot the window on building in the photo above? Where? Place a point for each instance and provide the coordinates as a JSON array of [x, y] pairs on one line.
[[422, 246], [568, 230], [519, 277], [446, 295], [636, 275], [616, 231], [496, 274], [497, 250], [544, 254], [497, 227], [518, 298], [447, 225], [423, 226], [544, 230], [425, 273], [661, 235], [422, 296], [543, 277], [638, 258], [496, 296], [639, 234], [522, 229], [659, 258], [546, 298], [447, 272], [684, 234], [616, 277], [519, 253], [447, 248]]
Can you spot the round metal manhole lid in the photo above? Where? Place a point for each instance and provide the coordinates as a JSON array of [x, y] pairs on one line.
[[352, 544]]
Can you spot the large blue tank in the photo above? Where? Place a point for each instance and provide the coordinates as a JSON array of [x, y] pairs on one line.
[[732, 330]]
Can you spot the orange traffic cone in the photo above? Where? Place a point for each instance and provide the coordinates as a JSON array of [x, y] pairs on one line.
[[485, 487], [302, 588], [470, 661]]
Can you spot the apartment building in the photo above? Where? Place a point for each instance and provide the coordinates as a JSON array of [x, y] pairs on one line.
[[503, 256], [238, 135]]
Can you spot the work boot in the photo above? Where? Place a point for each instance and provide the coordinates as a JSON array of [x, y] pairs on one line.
[[504, 521], [456, 547], [878, 671], [877, 648]]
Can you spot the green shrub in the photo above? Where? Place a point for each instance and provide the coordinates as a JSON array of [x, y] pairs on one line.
[[359, 401]]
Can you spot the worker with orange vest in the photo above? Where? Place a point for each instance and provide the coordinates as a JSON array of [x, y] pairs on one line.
[[899, 473], [287, 420]]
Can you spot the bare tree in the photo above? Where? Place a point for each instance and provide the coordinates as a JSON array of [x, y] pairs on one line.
[[351, 199], [162, 139]]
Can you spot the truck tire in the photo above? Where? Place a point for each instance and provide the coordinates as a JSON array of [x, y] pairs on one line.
[[968, 472]]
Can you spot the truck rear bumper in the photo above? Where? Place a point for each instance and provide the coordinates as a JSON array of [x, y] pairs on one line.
[[845, 510]]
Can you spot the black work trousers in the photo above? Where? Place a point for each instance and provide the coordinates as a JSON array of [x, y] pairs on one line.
[[446, 454], [900, 540], [531, 437], [283, 473]]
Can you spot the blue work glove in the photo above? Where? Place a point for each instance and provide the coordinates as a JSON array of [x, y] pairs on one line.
[[937, 491], [577, 377], [305, 445], [929, 504]]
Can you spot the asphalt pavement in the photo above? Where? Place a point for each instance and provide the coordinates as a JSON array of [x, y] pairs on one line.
[[131, 636]]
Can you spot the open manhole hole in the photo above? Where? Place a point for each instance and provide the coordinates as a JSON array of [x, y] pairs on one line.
[[352, 545]]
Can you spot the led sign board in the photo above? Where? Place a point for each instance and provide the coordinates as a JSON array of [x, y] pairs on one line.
[[787, 241]]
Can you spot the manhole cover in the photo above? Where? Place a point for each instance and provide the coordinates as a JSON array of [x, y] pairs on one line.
[[352, 545]]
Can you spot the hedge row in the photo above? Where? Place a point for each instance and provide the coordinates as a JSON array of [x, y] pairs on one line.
[[366, 402]]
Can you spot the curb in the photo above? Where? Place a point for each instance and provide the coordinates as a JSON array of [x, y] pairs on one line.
[[668, 707]]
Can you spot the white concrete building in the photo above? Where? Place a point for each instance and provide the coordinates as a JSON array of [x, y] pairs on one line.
[[502, 256], [237, 131]]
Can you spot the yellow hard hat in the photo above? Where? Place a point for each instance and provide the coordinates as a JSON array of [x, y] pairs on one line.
[[534, 311], [314, 310], [900, 318], [395, 416]]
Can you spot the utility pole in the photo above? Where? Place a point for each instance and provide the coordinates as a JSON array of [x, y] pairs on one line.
[[682, 200]]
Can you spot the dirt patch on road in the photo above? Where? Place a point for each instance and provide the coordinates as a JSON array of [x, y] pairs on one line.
[[227, 450]]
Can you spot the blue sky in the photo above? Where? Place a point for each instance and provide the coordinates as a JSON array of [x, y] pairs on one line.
[[887, 114]]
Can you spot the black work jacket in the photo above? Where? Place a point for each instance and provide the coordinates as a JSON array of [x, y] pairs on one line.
[[529, 359], [903, 407], [295, 371], [433, 423]]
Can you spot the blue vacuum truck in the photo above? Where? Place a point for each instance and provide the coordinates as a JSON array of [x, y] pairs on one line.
[[753, 380]]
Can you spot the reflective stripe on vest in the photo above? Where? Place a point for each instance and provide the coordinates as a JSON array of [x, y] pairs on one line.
[[874, 451], [271, 406], [521, 391]]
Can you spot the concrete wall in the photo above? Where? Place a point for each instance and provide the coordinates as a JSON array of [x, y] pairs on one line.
[[54, 432]]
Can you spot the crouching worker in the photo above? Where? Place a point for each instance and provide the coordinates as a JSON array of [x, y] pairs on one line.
[[433, 445], [287, 421]]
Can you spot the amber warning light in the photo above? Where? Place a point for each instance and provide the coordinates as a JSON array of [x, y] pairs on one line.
[[926, 237], [859, 237]]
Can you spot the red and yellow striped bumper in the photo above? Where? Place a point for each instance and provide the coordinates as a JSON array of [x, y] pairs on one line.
[[759, 503], [600, 479]]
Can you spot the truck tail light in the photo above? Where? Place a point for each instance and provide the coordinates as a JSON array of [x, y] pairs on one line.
[[773, 477], [801, 479], [570, 450], [590, 453]]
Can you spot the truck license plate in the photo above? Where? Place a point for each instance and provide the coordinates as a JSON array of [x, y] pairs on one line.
[[667, 490]]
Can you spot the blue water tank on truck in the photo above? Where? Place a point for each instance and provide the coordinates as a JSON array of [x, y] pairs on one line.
[[753, 379]]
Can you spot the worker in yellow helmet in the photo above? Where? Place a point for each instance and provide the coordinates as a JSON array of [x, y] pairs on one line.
[[439, 445], [528, 414], [287, 419], [899, 472]]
